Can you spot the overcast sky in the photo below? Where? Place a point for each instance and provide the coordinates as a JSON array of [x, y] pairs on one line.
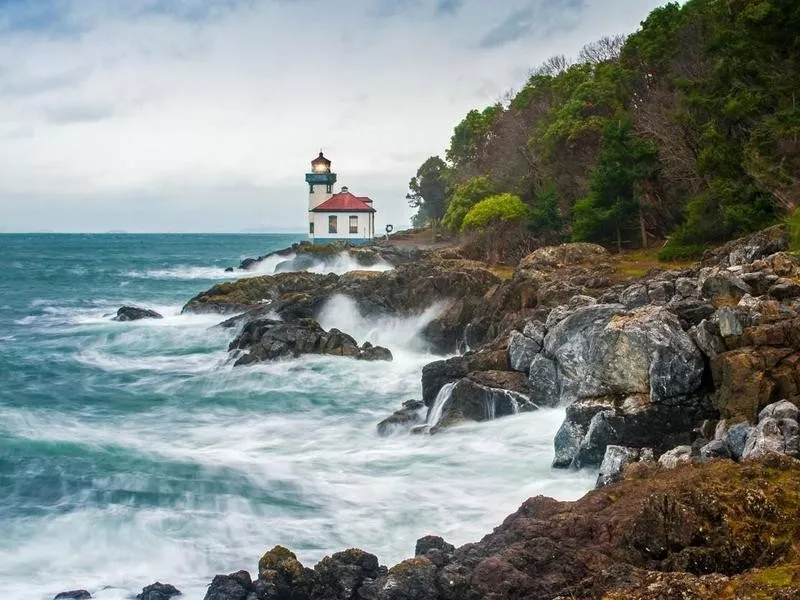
[[203, 115]]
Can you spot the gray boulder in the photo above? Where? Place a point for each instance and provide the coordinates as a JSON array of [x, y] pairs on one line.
[[73, 595], [235, 586], [715, 449], [566, 444], [484, 396], [675, 457], [521, 350], [765, 438], [614, 461], [158, 591], [634, 296], [135, 313], [599, 435], [543, 382], [736, 437], [780, 410]]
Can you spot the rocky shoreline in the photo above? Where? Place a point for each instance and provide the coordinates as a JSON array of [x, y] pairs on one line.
[[680, 386]]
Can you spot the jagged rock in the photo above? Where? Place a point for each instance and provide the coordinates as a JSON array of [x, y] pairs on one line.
[[784, 289], [566, 444], [675, 457], [706, 336], [614, 460], [727, 323], [73, 595], [723, 288], [405, 418], [599, 435], [634, 296], [341, 576], [736, 438], [484, 396], [561, 312], [281, 576], [553, 257], [660, 292], [235, 586], [742, 387], [765, 438], [535, 330], [521, 350], [686, 287], [412, 579], [690, 310], [750, 248], [432, 542], [780, 410], [543, 382], [268, 339], [158, 591], [440, 372], [135, 313], [715, 449]]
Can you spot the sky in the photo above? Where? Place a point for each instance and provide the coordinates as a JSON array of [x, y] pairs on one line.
[[204, 115]]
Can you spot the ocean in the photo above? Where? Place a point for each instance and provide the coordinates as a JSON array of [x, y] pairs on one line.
[[135, 452]]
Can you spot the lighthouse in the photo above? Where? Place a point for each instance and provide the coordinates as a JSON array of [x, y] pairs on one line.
[[340, 216]]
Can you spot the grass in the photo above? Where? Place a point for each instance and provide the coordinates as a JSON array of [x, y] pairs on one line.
[[636, 263]]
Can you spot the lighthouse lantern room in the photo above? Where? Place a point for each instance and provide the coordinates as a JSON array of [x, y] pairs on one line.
[[336, 216]]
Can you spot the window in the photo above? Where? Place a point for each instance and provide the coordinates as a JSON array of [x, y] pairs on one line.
[[329, 188], [311, 228], [353, 224], [310, 188], [332, 224]]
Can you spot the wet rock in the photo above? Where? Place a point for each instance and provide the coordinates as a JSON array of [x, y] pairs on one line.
[[342, 575], [268, 339], [599, 435], [229, 270], [73, 595], [158, 591], [675, 457], [715, 449], [411, 414], [235, 586], [440, 372], [135, 313], [282, 576], [484, 396], [543, 382], [412, 579], [432, 542], [521, 350], [614, 461], [566, 443]]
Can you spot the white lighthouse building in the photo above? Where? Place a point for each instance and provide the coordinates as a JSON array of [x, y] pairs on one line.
[[336, 216]]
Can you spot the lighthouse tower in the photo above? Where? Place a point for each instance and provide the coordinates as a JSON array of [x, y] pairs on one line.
[[341, 216]]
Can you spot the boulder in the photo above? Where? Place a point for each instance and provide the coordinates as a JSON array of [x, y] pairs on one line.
[[342, 575], [765, 438], [158, 591], [432, 542], [73, 595], [723, 288], [780, 410], [690, 310], [553, 257], [235, 586], [599, 435], [715, 449], [566, 444], [742, 387], [484, 396], [748, 249], [267, 339], [675, 457], [135, 313], [411, 414], [521, 350], [784, 289], [543, 382], [614, 461], [412, 579], [735, 439], [281, 575], [634, 296], [440, 372]]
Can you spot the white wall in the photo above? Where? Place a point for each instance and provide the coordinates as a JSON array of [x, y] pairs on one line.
[[319, 196], [320, 220]]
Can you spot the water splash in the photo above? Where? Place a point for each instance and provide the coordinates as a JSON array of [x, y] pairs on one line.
[[437, 409]]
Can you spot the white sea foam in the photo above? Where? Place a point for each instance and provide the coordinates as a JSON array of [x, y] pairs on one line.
[[217, 463]]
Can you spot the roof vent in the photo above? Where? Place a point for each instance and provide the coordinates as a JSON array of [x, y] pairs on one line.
[[344, 189]]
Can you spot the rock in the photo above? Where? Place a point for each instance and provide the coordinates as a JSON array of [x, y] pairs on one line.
[[412, 579], [599, 435], [706, 336], [248, 263], [727, 322], [281, 575], [614, 460], [780, 410], [723, 288], [134, 313], [784, 289], [432, 542], [411, 414], [553, 257], [742, 387], [750, 248], [543, 382], [675, 457], [158, 591], [341, 576], [660, 292], [691, 310], [521, 350], [235, 586], [229, 270], [736, 438], [715, 449], [535, 330], [267, 339], [484, 396], [766, 437], [73, 595], [634, 296], [440, 372], [686, 287], [566, 443]]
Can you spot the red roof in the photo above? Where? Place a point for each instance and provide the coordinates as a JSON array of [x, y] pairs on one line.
[[345, 202]]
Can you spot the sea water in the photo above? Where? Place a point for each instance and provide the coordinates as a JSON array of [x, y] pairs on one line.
[[135, 452]]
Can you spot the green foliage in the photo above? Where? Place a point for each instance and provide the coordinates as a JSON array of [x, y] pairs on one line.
[[502, 208], [612, 206], [428, 191], [545, 218], [464, 197], [470, 135], [793, 221]]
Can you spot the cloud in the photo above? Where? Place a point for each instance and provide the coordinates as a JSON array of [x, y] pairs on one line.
[[540, 18], [69, 114], [448, 7]]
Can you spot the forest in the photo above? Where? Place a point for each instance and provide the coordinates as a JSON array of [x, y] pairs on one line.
[[679, 136]]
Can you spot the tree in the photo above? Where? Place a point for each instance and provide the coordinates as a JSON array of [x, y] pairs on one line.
[[470, 136], [428, 191], [464, 197], [494, 210], [606, 49], [545, 218], [612, 206]]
